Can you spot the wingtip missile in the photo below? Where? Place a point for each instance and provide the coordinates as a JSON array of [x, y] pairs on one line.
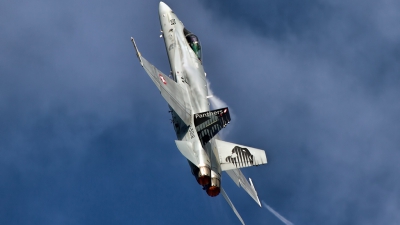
[[254, 189], [137, 51]]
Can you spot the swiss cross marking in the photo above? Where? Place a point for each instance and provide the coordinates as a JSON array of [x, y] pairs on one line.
[[162, 79]]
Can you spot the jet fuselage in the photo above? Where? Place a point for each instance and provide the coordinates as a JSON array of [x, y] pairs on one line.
[[184, 53], [196, 127]]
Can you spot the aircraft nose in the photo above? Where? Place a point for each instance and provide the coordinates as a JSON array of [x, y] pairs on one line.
[[163, 8]]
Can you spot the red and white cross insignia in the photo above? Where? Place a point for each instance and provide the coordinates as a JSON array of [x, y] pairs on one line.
[[162, 79]]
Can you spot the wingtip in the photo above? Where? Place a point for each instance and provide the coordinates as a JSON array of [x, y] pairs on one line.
[[231, 205], [252, 185], [137, 51]]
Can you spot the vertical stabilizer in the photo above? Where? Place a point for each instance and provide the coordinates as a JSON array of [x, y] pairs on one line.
[[208, 124]]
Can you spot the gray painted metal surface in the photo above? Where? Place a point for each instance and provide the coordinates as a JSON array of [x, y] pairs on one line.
[[196, 127]]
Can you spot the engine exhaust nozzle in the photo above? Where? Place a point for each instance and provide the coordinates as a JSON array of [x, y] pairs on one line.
[[204, 176], [215, 187]]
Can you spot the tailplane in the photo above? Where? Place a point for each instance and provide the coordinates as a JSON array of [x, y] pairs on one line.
[[234, 156]]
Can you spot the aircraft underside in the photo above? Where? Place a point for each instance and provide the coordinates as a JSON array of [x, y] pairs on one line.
[[195, 125]]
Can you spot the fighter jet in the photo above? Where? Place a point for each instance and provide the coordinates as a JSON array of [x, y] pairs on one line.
[[195, 124]]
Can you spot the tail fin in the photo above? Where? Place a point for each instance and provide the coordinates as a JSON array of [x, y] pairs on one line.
[[208, 124]]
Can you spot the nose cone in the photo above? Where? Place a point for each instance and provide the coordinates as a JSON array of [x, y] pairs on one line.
[[164, 8]]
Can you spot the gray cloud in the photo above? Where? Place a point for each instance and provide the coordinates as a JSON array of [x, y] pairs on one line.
[[85, 138], [321, 97]]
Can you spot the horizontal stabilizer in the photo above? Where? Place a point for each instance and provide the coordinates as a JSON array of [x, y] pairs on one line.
[[233, 156], [187, 150], [175, 95], [231, 205], [208, 124]]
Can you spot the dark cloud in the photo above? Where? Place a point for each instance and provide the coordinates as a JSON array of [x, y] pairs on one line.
[[85, 137], [274, 19], [321, 97]]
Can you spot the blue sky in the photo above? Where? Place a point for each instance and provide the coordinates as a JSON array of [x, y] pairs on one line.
[[85, 137]]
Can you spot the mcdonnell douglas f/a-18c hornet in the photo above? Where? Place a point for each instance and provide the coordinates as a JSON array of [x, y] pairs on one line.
[[196, 126]]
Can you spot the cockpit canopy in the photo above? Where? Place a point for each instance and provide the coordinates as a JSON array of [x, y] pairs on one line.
[[193, 42]]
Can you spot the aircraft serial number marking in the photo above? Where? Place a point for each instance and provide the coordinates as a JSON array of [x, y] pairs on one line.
[[191, 132]]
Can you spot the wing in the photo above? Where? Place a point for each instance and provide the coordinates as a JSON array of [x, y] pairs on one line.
[[234, 156], [231, 205], [240, 180], [173, 93]]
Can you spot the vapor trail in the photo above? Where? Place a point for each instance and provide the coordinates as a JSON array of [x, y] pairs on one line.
[[285, 221], [216, 102]]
